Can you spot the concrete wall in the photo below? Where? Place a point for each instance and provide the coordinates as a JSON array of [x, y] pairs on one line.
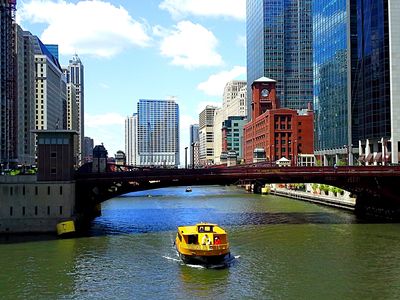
[[30, 206]]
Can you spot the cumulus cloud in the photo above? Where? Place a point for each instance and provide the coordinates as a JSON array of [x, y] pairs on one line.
[[189, 45], [86, 27], [208, 8], [215, 84]]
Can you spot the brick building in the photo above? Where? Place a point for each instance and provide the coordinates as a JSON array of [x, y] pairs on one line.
[[278, 132]]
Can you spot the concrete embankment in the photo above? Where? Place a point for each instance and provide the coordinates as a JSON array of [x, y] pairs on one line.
[[338, 202]]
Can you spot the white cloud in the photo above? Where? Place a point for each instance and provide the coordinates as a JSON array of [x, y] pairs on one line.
[[189, 45], [87, 27], [97, 121], [241, 41], [209, 8], [215, 84], [108, 128]]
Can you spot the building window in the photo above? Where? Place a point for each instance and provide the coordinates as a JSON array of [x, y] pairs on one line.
[[61, 190], [48, 190], [23, 210], [61, 210], [23, 190], [54, 154], [53, 171], [48, 210], [11, 191], [36, 190], [36, 210], [11, 210]]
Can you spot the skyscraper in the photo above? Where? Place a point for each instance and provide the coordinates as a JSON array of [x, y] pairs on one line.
[[51, 88], [356, 57], [279, 46], [131, 140], [88, 145], [158, 132], [332, 75], [25, 142], [75, 74], [8, 94], [194, 138]]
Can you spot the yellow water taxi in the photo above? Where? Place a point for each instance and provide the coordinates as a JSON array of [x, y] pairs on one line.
[[202, 243]]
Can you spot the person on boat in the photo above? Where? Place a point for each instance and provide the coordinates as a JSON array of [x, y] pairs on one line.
[[201, 229], [217, 240], [205, 240]]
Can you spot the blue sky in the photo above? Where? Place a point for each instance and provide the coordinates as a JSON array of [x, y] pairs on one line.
[[144, 49]]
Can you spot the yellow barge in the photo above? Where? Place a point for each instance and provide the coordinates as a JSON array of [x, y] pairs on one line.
[[203, 243]]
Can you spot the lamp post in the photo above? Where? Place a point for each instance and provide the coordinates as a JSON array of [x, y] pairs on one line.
[[193, 155], [186, 157]]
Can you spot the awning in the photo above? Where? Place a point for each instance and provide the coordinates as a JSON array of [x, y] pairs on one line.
[[369, 158], [378, 157]]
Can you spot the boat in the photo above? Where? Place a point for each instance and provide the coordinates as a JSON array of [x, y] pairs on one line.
[[66, 228], [188, 189], [203, 243]]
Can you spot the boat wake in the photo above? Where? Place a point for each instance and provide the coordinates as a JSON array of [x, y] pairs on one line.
[[173, 259]]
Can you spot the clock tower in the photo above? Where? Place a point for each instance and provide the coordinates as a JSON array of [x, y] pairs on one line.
[[263, 96]]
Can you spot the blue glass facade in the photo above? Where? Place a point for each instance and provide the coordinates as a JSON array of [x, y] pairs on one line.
[[158, 132], [331, 64], [279, 46], [371, 87]]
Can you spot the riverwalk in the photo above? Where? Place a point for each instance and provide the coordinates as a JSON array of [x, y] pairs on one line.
[[330, 200]]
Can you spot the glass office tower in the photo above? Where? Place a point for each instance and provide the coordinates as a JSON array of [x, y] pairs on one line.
[[331, 75], [371, 86], [279, 46], [158, 133]]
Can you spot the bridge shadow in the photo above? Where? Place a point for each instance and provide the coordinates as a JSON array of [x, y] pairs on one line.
[[158, 220]]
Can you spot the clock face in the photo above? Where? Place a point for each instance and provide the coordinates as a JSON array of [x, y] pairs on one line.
[[264, 93]]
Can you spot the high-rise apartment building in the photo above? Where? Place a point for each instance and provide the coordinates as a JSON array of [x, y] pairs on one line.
[[158, 132], [356, 58], [8, 93], [25, 142], [279, 46], [206, 135], [194, 139], [131, 140], [50, 86], [75, 74]]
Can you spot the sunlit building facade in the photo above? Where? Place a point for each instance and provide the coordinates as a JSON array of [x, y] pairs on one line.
[[158, 133]]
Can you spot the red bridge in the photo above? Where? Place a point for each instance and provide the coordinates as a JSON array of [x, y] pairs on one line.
[[376, 187]]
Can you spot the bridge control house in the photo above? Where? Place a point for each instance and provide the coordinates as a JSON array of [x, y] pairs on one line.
[[276, 132], [37, 203]]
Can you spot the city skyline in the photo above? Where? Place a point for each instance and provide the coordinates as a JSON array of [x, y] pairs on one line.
[[145, 42]]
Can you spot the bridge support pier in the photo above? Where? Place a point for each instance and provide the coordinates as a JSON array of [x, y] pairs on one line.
[[377, 207]]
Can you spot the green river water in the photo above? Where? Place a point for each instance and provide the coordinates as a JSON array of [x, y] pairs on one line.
[[283, 249]]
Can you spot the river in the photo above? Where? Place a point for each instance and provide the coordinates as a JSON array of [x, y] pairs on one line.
[[283, 248]]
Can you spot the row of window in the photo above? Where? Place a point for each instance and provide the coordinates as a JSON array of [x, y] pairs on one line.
[[12, 190], [36, 211]]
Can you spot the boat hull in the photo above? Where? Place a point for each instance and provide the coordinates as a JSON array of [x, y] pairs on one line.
[[204, 260]]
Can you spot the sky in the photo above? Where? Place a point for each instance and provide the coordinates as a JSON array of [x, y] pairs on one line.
[[144, 49]]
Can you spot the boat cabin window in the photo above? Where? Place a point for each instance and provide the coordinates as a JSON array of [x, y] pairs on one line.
[[179, 237], [203, 228], [192, 239]]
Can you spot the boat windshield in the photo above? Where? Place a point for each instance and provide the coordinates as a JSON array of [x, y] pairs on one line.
[[205, 228]]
